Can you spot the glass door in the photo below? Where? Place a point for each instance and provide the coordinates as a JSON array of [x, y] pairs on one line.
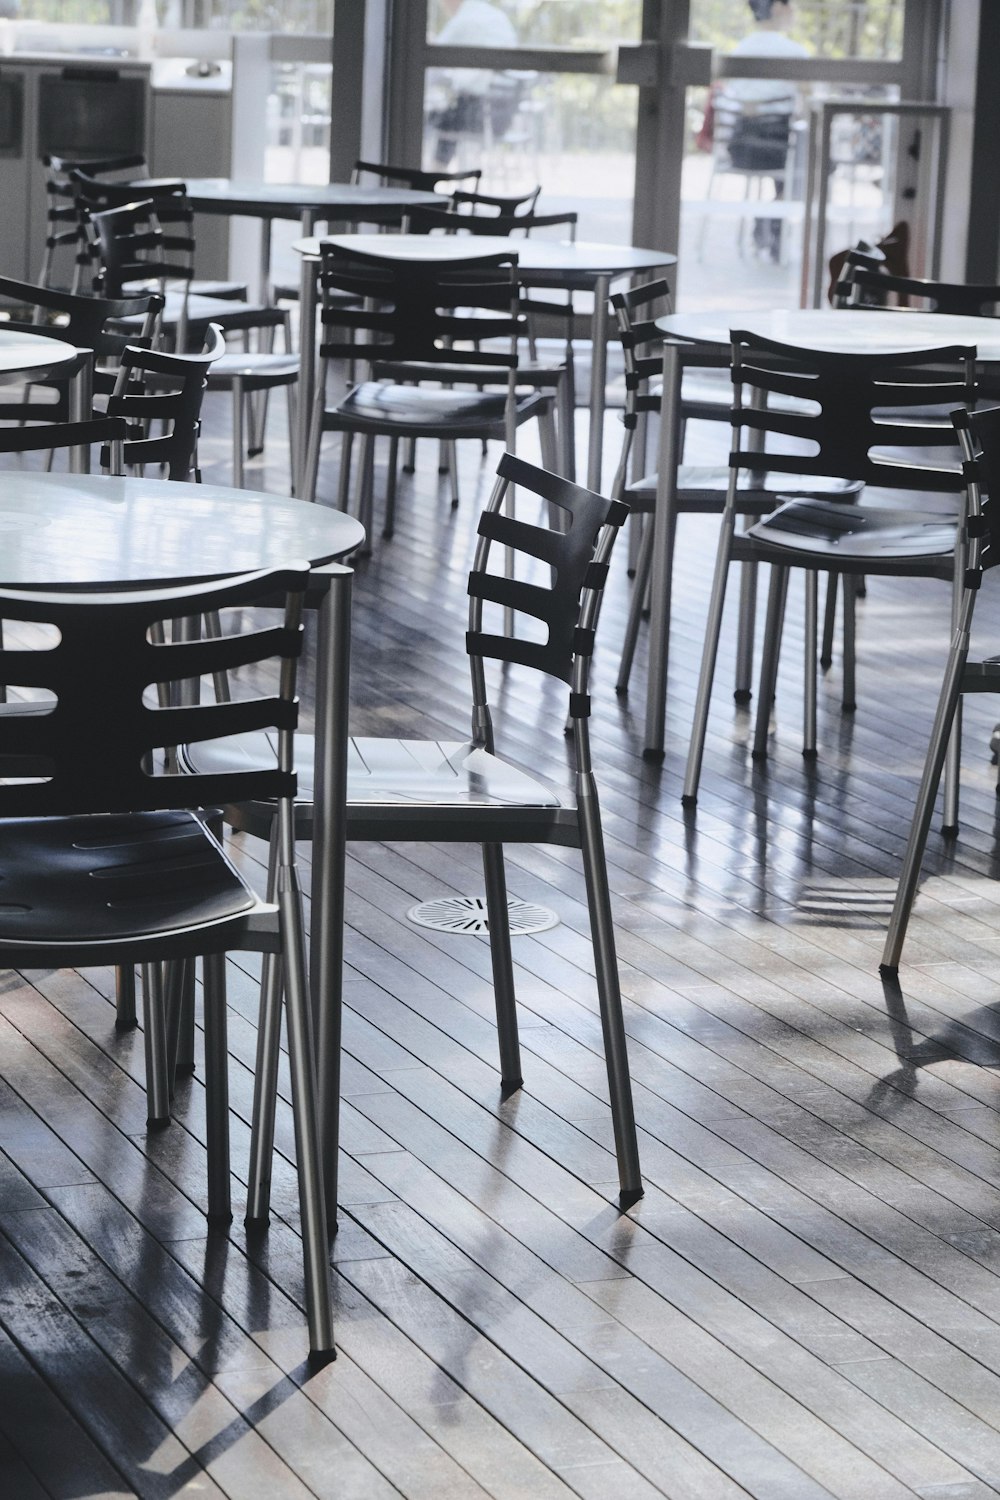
[[525, 90], [705, 143]]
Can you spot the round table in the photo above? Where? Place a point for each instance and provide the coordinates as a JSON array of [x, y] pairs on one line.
[[88, 531], [309, 202], [701, 337], [71, 531], [31, 354], [566, 265]]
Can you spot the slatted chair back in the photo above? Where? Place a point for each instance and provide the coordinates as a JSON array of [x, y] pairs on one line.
[[853, 411], [65, 227], [129, 247], [469, 219], [164, 388], [567, 563], [88, 323], [413, 177], [501, 205], [95, 748], [979, 438], [428, 311], [870, 287]]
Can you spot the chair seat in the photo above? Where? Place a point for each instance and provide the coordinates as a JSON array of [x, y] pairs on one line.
[[410, 408], [253, 369], [391, 773], [869, 535], [107, 878], [702, 488]]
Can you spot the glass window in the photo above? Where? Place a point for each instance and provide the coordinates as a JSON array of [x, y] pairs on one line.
[[825, 28], [533, 23], [572, 132]]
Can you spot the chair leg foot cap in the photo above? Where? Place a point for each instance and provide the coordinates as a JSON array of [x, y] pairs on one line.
[[127, 1025], [656, 755], [628, 1197], [889, 971], [826, 662], [219, 1220], [254, 452], [510, 1086], [810, 754], [949, 830], [185, 1070], [319, 1358], [758, 755], [156, 1123], [689, 800], [742, 695], [848, 708]]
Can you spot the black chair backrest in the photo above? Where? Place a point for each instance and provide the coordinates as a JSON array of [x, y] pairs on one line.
[[167, 388], [419, 309], [93, 748], [130, 247], [471, 221], [110, 432], [960, 299], [412, 177], [642, 344], [502, 206], [979, 436], [92, 323], [567, 562], [855, 407]]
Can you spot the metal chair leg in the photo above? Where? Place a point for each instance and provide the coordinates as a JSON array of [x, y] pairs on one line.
[[809, 692], [609, 991], [217, 1088], [503, 967], [155, 1045], [643, 567], [710, 652], [125, 1015], [301, 1052], [850, 692], [238, 439], [829, 621], [265, 1082], [923, 812], [777, 595]]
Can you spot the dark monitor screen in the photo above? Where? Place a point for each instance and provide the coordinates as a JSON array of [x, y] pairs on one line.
[[91, 112]]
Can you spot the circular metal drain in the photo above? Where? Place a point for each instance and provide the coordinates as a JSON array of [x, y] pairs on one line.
[[467, 914]]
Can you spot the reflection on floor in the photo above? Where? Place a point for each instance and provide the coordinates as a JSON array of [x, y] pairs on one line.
[[807, 1301]]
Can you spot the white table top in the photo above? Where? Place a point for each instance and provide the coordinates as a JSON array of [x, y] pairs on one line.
[[74, 530], [31, 354], [576, 258], [849, 331]]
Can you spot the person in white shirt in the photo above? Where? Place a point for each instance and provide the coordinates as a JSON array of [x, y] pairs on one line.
[[759, 139], [471, 23]]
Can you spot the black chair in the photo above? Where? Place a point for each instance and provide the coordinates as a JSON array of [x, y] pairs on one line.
[[166, 389], [133, 248], [865, 285], [94, 191], [131, 251], [101, 325], [65, 229], [421, 181], [423, 313], [979, 437], [412, 791], [701, 489], [109, 863], [843, 397]]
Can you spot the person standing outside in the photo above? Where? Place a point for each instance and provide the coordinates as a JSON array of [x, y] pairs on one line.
[[760, 136], [470, 23]]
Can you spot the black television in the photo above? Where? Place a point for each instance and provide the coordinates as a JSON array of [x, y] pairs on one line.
[[91, 112]]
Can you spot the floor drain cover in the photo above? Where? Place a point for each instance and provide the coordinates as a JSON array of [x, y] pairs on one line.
[[467, 914]]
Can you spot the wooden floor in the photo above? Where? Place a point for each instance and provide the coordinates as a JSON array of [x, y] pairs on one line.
[[805, 1304]]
